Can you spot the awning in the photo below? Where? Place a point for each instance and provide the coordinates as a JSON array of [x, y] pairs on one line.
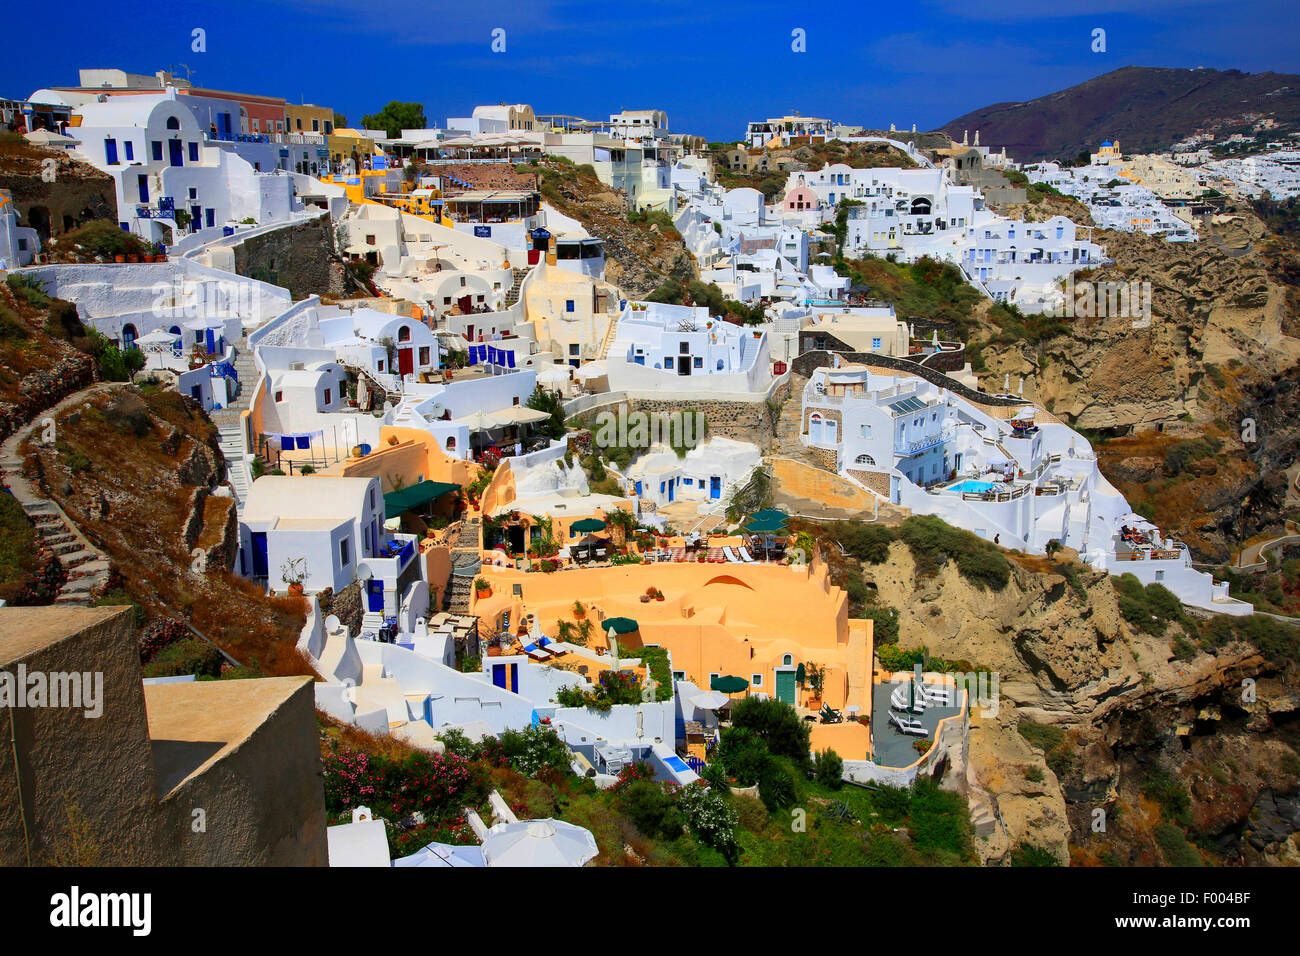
[[399, 502]]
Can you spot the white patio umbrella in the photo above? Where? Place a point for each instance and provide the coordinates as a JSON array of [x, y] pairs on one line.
[[539, 843], [710, 700], [557, 375], [592, 370], [443, 854]]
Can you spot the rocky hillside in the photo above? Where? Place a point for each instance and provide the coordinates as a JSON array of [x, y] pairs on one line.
[[638, 256], [53, 192], [136, 471], [1145, 108], [1109, 699]]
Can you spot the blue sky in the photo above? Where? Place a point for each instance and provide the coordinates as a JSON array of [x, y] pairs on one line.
[[711, 64]]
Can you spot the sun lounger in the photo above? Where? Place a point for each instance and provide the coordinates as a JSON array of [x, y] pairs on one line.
[[730, 555], [899, 698], [941, 696], [913, 728], [745, 555]]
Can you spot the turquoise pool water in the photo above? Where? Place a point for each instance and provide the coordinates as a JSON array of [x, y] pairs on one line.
[[973, 487]]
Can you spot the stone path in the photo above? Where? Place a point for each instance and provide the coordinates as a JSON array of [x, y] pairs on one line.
[[87, 567]]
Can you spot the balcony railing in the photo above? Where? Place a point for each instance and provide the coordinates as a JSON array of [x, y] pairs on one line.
[[920, 444]]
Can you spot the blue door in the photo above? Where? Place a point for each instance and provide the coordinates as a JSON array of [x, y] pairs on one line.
[[175, 152], [196, 218], [638, 489], [499, 677], [110, 152], [672, 486], [259, 554], [375, 595], [223, 125], [715, 487], [210, 341], [143, 182]]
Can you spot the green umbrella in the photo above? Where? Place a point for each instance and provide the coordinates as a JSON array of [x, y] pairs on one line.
[[729, 684], [620, 625], [588, 524], [767, 521]]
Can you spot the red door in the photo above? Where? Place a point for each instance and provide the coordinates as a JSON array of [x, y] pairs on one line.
[[405, 361], [466, 303]]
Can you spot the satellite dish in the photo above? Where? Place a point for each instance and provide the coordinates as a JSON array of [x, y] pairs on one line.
[[436, 410], [364, 572]]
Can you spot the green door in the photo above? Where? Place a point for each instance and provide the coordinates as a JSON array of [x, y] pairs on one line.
[[785, 687]]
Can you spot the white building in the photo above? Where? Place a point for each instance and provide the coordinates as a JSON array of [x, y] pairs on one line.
[[1023, 480], [19, 245], [656, 346], [708, 473], [323, 532], [164, 169]]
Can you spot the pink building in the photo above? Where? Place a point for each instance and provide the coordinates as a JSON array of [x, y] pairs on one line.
[[801, 198]]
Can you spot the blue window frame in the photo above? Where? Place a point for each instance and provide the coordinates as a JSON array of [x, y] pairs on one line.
[[875, 343], [569, 305], [156, 147], [194, 152]]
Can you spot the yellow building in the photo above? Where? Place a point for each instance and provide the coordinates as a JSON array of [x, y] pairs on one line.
[[756, 621], [309, 118], [345, 144]]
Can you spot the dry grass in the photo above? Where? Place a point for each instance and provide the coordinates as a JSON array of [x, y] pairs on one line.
[[131, 503]]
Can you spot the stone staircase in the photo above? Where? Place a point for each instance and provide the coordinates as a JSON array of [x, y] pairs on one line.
[[608, 340], [87, 567], [230, 427], [512, 296], [465, 564], [789, 426]]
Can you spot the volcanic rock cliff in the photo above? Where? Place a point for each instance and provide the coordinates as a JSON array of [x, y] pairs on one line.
[[1099, 724]]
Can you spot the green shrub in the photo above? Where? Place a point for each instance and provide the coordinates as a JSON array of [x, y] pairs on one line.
[[1168, 791], [775, 722], [933, 542], [743, 754], [652, 810], [776, 786], [869, 543], [830, 769], [1174, 846], [187, 656], [1029, 854]]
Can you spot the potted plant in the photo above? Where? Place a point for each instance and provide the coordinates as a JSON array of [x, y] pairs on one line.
[[579, 610], [482, 588], [816, 680], [294, 572]]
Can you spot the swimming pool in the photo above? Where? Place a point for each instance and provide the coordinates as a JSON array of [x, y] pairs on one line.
[[676, 763], [972, 487]]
